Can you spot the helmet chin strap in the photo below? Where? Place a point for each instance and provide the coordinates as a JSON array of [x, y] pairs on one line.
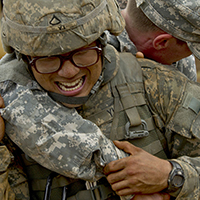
[[76, 100], [69, 100]]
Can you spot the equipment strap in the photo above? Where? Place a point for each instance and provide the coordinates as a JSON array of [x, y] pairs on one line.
[[103, 191]]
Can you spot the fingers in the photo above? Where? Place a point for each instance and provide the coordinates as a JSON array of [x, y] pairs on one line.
[[114, 166], [126, 146], [140, 172], [120, 164], [122, 188]]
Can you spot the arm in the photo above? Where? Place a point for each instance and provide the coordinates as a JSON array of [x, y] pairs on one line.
[[175, 101], [54, 135], [140, 173], [178, 106]]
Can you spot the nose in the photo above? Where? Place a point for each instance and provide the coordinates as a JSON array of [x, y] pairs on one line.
[[68, 70]]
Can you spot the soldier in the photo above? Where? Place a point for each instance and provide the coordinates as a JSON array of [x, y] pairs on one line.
[[114, 90], [147, 31]]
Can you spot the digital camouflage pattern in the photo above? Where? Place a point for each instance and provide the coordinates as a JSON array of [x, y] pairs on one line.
[[123, 44], [170, 97], [188, 67], [6, 192], [18, 181], [40, 28], [26, 109], [77, 147], [45, 136], [181, 120], [179, 18], [13, 181]]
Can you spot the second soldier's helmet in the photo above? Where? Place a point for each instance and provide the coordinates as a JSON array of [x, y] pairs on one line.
[[44, 28]]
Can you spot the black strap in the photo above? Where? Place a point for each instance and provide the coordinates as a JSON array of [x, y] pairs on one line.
[[47, 193], [67, 99], [78, 191], [104, 193]]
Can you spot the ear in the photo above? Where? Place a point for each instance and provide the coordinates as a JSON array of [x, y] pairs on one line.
[[162, 41]]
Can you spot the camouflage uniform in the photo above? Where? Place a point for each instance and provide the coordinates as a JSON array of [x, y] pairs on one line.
[[123, 44], [13, 180], [169, 95], [167, 105], [73, 169], [27, 99], [5, 190]]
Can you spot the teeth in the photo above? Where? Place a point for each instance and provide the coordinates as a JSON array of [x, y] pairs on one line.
[[71, 84], [78, 83]]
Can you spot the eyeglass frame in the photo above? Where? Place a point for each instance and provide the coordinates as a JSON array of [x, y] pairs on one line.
[[65, 58]]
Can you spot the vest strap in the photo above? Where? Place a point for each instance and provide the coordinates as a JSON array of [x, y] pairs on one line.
[[99, 192], [129, 102]]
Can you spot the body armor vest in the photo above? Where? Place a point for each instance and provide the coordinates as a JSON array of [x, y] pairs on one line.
[[120, 109]]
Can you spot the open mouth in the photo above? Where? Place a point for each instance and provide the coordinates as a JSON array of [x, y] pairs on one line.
[[71, 86]]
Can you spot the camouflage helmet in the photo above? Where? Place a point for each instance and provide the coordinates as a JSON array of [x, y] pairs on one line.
[[52, 27], [180, 18]]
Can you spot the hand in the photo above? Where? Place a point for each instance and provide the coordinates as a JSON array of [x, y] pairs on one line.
[[140, 173], [155, 196], [2, 124]]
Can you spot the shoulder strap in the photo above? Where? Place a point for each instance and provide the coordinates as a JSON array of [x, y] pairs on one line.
[[129, 96], [14, 70], [129, 100]]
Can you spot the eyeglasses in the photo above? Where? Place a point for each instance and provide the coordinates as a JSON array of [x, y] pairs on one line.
[[80, 58]]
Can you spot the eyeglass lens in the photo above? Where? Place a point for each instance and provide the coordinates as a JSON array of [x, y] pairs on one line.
[[83, 58]]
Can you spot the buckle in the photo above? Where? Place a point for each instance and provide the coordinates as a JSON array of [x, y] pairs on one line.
[[133, 134], [99, 191], [91, 186]]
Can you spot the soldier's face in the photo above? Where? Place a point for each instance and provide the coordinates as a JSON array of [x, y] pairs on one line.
[[70, 80]]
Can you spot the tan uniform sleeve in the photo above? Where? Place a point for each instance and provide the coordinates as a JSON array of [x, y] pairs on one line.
[[175, 102], [5, 191]]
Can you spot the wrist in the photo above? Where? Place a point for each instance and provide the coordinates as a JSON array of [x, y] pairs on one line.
[[176, 179]]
